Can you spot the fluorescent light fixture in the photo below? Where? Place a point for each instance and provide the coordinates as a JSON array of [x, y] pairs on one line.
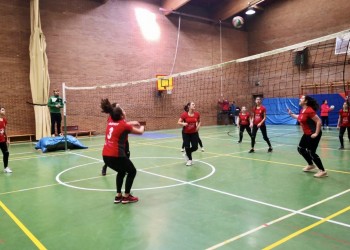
[[250, 11]]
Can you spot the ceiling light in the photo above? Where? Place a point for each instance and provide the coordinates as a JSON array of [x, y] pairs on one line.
[[250, 11]]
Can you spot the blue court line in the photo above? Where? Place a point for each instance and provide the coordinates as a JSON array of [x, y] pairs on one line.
[[152, 135]]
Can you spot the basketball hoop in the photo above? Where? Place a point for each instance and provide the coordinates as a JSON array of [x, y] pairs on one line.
[[169, 90]]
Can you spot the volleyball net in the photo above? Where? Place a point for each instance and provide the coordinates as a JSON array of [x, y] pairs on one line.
[[313, 67]]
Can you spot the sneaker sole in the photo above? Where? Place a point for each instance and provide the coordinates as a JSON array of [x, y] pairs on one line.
[[321, 176], [309, 170], [126, 202]]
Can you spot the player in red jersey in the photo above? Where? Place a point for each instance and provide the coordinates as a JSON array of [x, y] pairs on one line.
[[257, 120], [191, 122], [127, 150], [113, 153], [243, 123], [186, 108], [311, 125], [343, 123], [3, 140]]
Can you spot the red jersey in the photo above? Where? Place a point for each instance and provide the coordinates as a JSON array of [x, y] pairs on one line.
[[258, 114], [344, 118], [325, 109], [306, 122], [116, 137], [244, 118], [191, 121], [225, 105], [3, 123]]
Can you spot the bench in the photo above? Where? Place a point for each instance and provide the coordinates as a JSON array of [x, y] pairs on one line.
[[20, 138], [75, 131]]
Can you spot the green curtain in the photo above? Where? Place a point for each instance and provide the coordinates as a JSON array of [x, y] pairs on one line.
[[39, 73]]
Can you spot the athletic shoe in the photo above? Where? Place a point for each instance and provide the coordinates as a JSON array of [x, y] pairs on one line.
[[185, 156], [129, 199], [7, 170], [104, 170], [269, 150], [53, 135], [202, 149], [341, 148], [182, 150], [239, 142], [321, 174], [189, 163], [118, 199], [251, 151], [309, 168]]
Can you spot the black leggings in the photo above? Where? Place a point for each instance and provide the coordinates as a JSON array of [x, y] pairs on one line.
[[56, 118], [5, 153], [307, 148], [341, 134], [122, 165], [241, 130], [191, 143], [183, 140], [264, 133], [324, 120]]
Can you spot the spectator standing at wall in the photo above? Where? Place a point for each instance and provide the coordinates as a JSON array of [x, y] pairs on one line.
[[238, 110], [55, 104], [324, 113], [225, 109], [233, 113]]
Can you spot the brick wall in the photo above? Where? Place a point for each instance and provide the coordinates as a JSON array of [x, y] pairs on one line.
[[289, 22], [89, 43], [14, 65], [92, 44]]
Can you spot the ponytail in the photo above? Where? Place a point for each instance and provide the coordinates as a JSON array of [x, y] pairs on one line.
[[113, 110], [311, 102], [106, 106]]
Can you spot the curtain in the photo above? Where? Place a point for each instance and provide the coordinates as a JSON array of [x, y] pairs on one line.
[[39, 74]]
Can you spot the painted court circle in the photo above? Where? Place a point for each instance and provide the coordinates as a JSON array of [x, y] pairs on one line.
[[139, 170]]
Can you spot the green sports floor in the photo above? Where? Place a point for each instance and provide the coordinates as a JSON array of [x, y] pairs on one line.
[[228, 199]]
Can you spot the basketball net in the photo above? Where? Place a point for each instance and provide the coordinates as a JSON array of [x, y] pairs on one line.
[[169, 90]]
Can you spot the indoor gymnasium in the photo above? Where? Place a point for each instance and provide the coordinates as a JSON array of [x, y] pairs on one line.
[[175, 124]]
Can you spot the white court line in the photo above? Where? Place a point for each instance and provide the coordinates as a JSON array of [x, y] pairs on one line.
[[280, 219], [264, 203], [139, 189], [253, 200]]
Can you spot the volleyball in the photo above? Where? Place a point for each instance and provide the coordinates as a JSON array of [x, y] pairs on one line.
[[237, 22], [332, 106]]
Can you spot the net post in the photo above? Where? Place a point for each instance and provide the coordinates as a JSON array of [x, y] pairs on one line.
[[64, 115]]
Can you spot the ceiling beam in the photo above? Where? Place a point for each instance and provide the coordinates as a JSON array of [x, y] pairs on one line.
[[172, 5], [229, 8]]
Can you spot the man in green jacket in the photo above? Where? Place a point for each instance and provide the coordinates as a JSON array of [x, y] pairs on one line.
[[55, 104]]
